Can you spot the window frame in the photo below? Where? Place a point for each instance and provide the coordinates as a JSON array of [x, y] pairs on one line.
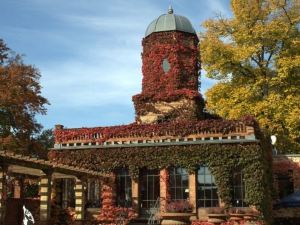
[[238, 202], [206, 173], [122, 175], [178, 190]]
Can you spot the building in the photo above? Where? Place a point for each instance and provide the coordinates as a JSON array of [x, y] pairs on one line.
[[174, 150], [174, 157]]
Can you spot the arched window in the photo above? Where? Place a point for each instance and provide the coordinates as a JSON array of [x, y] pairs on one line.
[[238, 190], [123, 188], [179, 183], [207, 195]]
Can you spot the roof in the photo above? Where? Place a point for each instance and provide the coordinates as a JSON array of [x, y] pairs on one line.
[[171, 133], [11, 158], [170, 22]]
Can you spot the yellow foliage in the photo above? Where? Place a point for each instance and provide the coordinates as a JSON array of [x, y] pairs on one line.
[[256, 57]]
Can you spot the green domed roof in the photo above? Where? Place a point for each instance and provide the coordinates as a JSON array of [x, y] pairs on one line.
[[169, 22]]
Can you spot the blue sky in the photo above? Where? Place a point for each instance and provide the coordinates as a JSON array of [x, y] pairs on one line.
[[89, 51]]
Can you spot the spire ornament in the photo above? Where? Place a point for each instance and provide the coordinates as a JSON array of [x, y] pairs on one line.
[[170, 10]]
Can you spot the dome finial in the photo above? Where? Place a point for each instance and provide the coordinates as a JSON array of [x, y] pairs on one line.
[[170, 10]]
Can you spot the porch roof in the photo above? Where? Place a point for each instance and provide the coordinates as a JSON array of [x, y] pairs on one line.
[[38, 167]]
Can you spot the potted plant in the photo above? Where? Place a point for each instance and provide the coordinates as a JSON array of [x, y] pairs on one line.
[[178, 212], [179, 206]]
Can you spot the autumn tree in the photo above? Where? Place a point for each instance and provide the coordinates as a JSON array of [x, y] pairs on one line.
[[255, 55], [20, 100]]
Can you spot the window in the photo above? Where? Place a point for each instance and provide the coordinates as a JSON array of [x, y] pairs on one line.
[[238, 190], [149, 189], [179, 184], [93, 194], [123, 185], [166, 65], [207, 195], [68, 193]]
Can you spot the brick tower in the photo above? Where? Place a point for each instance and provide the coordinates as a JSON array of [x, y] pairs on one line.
[[170, 72]]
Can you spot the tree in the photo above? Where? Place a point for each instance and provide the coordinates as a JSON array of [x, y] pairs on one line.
[[40, 143], [20, 100], [46, 138], [255, 55]]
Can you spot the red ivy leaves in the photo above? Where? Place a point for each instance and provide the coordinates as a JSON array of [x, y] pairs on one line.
[[282, 166], [180, 82], [178, 128], [181, 51]]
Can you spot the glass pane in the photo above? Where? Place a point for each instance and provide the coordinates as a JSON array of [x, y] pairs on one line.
[[237, 179], [185, 181], [179, 193], [200, 179], [201, 203], [207, 179], [208, 193], [172, 171], [185, 194], [173, 193], [178, 180], [184, 171], [201, 170], [214, 193], [215, 203], [208, 203], [172, 180], [237, 193]]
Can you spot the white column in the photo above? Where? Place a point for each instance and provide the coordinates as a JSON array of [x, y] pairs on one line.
[[79, 199], [45, 193]]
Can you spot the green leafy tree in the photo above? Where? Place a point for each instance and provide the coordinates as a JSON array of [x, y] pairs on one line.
[[20, 100], [255, 55]]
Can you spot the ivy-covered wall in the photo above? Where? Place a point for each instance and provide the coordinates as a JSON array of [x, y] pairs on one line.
[[178, 82], [222, 159]]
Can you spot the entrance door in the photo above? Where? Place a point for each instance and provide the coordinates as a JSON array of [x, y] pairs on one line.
[[149, 191]]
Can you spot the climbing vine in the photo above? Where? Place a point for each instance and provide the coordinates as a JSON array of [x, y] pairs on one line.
[[179, 82], [175, 128], [222, 159]]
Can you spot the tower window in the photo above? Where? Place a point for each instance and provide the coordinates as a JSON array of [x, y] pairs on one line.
[[166, 65]]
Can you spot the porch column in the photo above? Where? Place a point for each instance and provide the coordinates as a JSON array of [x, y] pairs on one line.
[[193, 191], [135, 195], [164, 181], [3, 194], [79, 199], [19, 187], [45, 193]]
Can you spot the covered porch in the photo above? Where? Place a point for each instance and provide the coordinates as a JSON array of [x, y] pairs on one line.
[[39, 185]]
